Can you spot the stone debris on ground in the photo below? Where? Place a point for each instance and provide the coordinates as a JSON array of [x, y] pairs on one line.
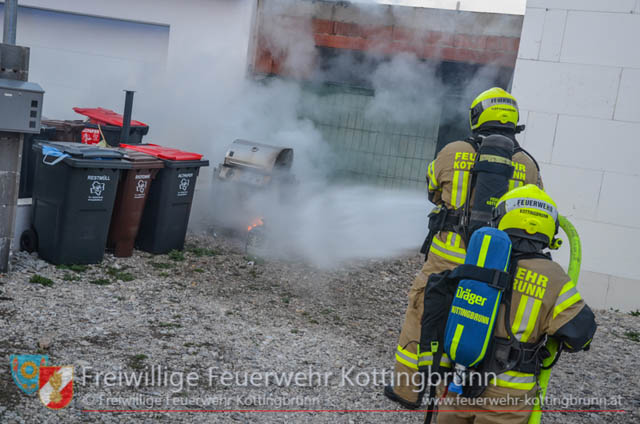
[[217, 313]]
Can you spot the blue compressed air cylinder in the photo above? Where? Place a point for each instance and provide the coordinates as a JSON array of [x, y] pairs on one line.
[[475, 304]]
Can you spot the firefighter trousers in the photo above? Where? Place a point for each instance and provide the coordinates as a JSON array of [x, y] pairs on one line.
[[407, 381], [493, 407]]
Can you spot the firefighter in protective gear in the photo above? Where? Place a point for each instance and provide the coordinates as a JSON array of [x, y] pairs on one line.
[[544, 302], [494, 111]]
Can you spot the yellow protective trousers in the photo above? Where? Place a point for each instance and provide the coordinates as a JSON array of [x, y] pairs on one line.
[[493, 407], [446, 252]]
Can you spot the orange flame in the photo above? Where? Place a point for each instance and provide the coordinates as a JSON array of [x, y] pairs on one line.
[[255, 223]]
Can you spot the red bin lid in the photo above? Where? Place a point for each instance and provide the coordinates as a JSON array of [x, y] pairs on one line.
[[162, 152], [103, 116]]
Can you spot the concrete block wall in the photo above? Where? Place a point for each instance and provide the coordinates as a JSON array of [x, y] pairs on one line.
[[577, 81]]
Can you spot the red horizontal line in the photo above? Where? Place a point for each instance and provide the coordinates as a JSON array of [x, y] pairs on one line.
[[344, 410]]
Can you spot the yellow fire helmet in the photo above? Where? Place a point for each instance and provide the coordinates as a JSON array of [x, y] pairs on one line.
[[528, 212], [494, 108]]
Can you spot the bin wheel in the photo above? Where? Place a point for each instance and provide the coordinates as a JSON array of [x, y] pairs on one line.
[[29, 240]]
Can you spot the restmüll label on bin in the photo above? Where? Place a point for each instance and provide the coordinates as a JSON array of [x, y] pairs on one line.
[[97, 187]]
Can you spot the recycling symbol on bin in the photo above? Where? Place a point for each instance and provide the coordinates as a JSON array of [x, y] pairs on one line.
[[184, 184], [97, 188], [141, 186]]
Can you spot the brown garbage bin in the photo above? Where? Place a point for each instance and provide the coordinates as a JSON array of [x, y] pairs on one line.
[[131, 197], [66, 130]]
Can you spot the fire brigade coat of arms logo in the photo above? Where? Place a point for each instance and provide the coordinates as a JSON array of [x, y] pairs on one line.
[[56, 386], [25, 370]]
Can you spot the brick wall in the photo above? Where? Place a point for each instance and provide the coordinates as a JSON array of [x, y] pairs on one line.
[[468, 37]]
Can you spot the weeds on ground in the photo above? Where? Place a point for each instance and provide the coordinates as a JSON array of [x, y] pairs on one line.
[[176, 255], [635, 313], [633, 336], [73, 267], [43, 281], [137, 361], [161, 265], [70, 277], [120, 274], [198, 270], [100, 282]]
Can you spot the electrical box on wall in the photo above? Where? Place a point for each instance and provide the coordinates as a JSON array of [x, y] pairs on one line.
[[20, 106]]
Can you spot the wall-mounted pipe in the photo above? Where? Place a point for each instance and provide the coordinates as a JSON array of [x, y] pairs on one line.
[[10, 21]]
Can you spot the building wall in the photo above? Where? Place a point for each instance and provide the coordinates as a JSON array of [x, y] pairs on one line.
[[577, 81], [84, 53], [173, 54], [73, 56]]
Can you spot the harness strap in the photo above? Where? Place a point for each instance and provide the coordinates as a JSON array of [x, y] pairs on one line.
[[517, 356], [440, 219], [506, 170], [499, 280], [520, 149], [431, 404]]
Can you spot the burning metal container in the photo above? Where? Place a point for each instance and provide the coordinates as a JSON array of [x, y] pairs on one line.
[[256, 164], [254, 180]]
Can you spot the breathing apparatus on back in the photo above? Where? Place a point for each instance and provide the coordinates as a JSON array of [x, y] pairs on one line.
[[493, 118], [489, 180], [524, 222]]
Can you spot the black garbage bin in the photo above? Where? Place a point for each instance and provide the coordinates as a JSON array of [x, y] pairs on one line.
[[166, 215], [28, 166], [73, 198]]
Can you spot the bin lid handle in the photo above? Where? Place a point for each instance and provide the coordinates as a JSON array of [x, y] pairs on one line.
[[53, 152]]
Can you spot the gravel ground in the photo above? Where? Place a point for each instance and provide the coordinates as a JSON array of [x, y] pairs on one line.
[[213, 310]]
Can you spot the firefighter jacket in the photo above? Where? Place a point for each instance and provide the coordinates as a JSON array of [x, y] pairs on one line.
[[449, 178], [544, 301]]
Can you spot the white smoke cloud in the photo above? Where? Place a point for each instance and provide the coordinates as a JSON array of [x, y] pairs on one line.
[[205, 102], [324, 222], [407, 90], [328, 225]]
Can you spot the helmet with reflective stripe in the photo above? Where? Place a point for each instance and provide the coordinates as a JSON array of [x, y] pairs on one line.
[[494, 108], [527, 212]]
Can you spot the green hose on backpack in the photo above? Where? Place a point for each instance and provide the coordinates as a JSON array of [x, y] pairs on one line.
[[552, 344]]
